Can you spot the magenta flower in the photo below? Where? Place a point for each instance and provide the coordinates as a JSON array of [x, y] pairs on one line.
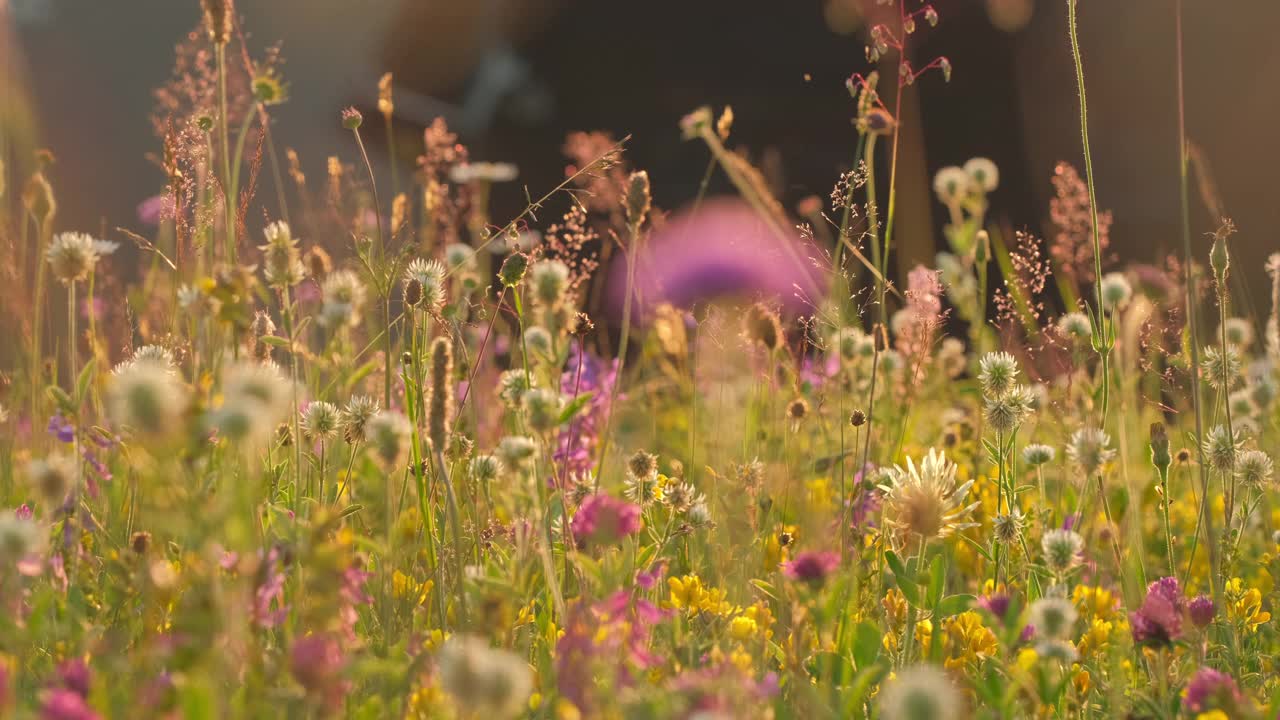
[[812, 566], [316, 662], [1159, 620], [603, 519], [1202, 610], [1211, 689], [725, 248], [64, 704], [997, 604]]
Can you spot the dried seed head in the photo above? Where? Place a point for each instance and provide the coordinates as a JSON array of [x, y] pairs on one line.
[[763, 326], [351, 118], [858, 418], [638, 200], [217, 20], [513, 269], [385, 104], [440, 402]]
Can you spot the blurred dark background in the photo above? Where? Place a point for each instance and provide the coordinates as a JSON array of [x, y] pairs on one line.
[[514, 76]]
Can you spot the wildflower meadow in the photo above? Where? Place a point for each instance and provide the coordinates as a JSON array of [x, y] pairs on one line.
[[350, 445]]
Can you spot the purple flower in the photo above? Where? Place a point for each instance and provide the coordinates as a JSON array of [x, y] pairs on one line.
[[997, 604], [1210, 689], [811, 566], [154, 209], [63, 704], [61, 428], [1202, 610], [316, 662], [269, 593], [724, 249], [1159, 620], [577, 442], [23, 512], [647, 579], [604, 519], [74, 676]]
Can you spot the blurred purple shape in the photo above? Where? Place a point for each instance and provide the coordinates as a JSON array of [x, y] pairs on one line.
[[154, 209], [724, 248]]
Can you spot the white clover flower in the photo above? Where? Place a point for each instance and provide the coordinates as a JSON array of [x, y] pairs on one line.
[[387, 433], [146, 395], [512, 385], [515, 451], [1116, 291], [459, 256], [1076, 326], [430, 276], [490, 683], [52, 477], [1221, 447], [1090, 448], [485, 468], [538, 340], [342, 297], [1053, 618], [256, 398], [1037, 454], [1253, 467], [997, 372], [356, 415], [483, 172], [983, 174], [281, 259], [1062, 549], [952, 185], [19, 538], [321, 420], [923, 692], [73, 255], [1239, 332], [1221, 368], [550, 281], [925, 501], [542, 409]]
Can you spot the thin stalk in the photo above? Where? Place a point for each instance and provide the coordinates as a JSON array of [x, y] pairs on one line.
[[228, 199], [632, 258], [1103, 339]]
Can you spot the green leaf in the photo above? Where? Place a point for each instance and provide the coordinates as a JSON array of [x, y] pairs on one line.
[[899, 568], [575, 407], [84, 379], [953, 605], [937, 580], [274, 341], [866, 644], [829, 667], [60, 398]]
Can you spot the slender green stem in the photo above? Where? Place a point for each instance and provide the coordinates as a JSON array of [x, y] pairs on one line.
[[633, 253], [227, 190]]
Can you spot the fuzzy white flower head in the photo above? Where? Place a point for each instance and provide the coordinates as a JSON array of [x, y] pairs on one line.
[[488, 682], [550, 281], [1116, 291], [925, 501], [923, 692], [1253, 467], [1239, 332], [1090, 448], [19, 538], [1052, 617], [73, 255], [1037, 454], [951, 357], [1008, 411], [356, 415], [483, 172], [952, 185], [848, 343], [52, 477], [281, 258], [538, 340], [146, 395], [1221, 367], [430, 275], [512, 385], [342, 296], [321, 420], [515, 451], [459, 256], [542, 409], [1062, 549], [256, 397], [485, 468], [983, 173], [1221, 448], [387, 433], [1075, 325], [891, 362], [997, 372]]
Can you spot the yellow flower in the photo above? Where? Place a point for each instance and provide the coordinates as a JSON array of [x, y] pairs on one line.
[[762, 616], [1096, 638], [688, 593], [776, 546], [1213, 715], [820, 494], [1080, 680], [967, 639], [1245, 606], [1094, 602], [743, 628], [404, 586], [895, 607], [741, 659], [1026, 660]]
